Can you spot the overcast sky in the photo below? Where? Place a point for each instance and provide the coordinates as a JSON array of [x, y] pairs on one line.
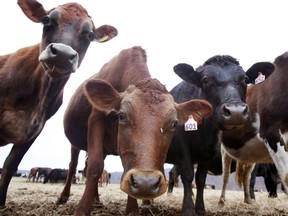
[[172, 32]]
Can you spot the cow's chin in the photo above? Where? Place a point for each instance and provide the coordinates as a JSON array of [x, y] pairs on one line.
[[55, 72]]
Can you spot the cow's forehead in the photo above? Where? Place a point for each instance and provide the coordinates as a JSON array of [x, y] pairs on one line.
[[150, 101], [70, 12], [223, 73]]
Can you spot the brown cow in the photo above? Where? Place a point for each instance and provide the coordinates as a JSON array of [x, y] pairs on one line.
[[264, 139], [32, 174], [104, 179], [33, 78], [132, 116]]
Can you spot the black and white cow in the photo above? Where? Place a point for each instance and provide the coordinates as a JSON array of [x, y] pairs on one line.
[[264, 138], [221, 81]]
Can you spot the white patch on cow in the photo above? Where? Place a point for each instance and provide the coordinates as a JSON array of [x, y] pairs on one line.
[[256, 124], [254, 151], [280, 158], [285, 138]]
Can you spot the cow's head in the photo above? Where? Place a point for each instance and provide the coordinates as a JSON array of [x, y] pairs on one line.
[[223, 83], [67, 33], [147, 117]]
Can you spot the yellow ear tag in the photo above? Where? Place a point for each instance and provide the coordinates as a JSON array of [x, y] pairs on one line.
[[191, 124], [104, 38]]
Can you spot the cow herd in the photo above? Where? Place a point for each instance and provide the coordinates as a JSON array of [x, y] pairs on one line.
[[218, 114]]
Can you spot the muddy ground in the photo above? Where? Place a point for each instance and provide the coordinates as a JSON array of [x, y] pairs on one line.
[[38, 199]]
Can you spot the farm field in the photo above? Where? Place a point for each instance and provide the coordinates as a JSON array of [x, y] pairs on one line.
[[35, 199]]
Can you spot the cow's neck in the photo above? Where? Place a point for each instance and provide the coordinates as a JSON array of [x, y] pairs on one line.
[[52, 93]]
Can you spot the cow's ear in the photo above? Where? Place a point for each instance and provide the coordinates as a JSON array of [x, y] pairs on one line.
[[187, 73], [199, 109], [102, 95], [105, 33], [33, 10], [266, 68]]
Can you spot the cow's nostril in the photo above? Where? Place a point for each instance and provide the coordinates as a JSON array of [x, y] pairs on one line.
[[72, 57], [53, 50], [246, 112], [226, 111], [156, 186], [134, 183]]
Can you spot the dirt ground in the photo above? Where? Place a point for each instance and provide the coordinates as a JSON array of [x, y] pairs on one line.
[[36, 199]]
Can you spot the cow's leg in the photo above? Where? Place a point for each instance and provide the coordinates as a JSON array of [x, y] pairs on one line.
[[10, 167], [187, 175], [201, 175], [132, 206], [271, 181], [95, 166], [170, 182], [248, 168], [72, 170], [226, 164], [253, 181]]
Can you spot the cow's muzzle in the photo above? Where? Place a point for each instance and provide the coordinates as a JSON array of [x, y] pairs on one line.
[[143, 184], [234, 115], [59, 60]]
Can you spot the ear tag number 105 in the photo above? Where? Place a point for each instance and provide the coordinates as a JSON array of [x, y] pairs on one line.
[[191, 124]]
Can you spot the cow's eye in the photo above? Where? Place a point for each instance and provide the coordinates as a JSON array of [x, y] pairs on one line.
[[174, 124], [91, 36], [205, 80], [46, 20], [121, 116]]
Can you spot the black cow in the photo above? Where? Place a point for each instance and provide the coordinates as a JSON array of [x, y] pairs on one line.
[[269, 172], [56, 175], [221, 81], [42, 173]]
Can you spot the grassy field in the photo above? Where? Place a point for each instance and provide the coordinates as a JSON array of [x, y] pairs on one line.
[[36, 199]]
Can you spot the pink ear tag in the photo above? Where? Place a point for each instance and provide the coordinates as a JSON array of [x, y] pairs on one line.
[[260, 78], [191, 124]]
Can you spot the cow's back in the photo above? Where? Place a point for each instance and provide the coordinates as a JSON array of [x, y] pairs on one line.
[[128, 67]]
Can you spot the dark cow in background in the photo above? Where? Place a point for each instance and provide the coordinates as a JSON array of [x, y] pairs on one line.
[[222, 82], [37, 173], [32, 79], [132, 116], [42, 173], [56, 175], [264, 138], [269, 172]]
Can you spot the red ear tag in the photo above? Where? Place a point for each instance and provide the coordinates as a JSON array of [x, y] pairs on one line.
[[260, 78], [191, 124]]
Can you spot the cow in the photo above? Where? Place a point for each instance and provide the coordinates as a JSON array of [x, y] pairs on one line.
[[104, 179], [269, 172], [32, 79], [221, 81], [263, 139], [80, 177], [32, 174], [42, 173], [56, 175], [122, 111]]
